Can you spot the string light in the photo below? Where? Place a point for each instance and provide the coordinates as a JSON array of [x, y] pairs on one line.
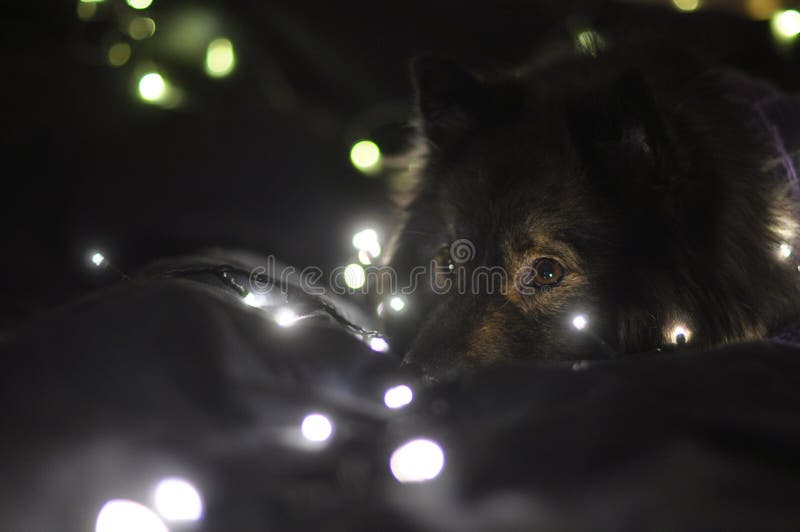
[[417, 461], [286, 317], [354, 276], [141, 28], [366, 156], [580, 322], [121, 515], [178, 500], [316, 428], [152, 87], [86, 10], [140, 4], [785, 250], [378, 344], [220, 58], [252, 300], [119, 54], [785, 24], [397, 303], [398, 396], [367, 241], [680, 334], [686, 5]]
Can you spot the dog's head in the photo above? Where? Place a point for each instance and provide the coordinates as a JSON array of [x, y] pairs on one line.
[[586, 190]]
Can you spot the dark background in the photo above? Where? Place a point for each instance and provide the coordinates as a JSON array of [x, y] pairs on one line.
[[259, 159]]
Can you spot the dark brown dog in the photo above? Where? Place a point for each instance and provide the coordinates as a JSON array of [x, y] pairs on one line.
[[638, 191]]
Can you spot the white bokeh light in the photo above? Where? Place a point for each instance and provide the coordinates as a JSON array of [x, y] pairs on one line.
[[397, 303], [367, 241], [316, 427], [417, 461], [354, 276], [398, 396], [286, 317], [785, 250], [122, 515], [98, 258], [580, 322], [177, 499], [786, 24], [378, 344]]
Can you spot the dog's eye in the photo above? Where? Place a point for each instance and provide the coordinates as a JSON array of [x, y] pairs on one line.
[[545, 272]]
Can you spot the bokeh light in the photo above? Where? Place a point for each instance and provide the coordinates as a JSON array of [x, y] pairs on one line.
[[397, 303], [366, 156], [98, 258], [152, 87], [121, 515], [398, 396], [354, 276], [178, 500], [785, 250], [786, 24], [119, 54], [86, 10], [580, 322], [417, 461], [686, 5], [140, 4], [141, 28], [368, 242], [378, 344], [286, 317], [316, 428], [220, 58]]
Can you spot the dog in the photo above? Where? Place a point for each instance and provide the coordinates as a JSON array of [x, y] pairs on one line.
[[631, 199]]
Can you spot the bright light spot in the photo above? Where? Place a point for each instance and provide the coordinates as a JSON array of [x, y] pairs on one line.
[[119, 54], [120, 515], [397, 303], [178, 500], [580, 322], [785, 250], [316, 427], [364, 258], [417, 461], [98, 259], [86, 10], [366, 156], [355, 276], [380, 308], [364, 239], [286, 317], [398, 396], [140, 4], [680, 331], [686, 5], [378, 344], [152, 87], [220, 58], [786, 24], [141, 28], [252, 300], [367, 241]]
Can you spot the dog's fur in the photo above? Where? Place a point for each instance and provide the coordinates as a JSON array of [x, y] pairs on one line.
[[656, 191]]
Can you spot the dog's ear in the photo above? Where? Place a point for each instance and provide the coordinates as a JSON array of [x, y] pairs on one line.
[[623, 139], [450, 100]]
